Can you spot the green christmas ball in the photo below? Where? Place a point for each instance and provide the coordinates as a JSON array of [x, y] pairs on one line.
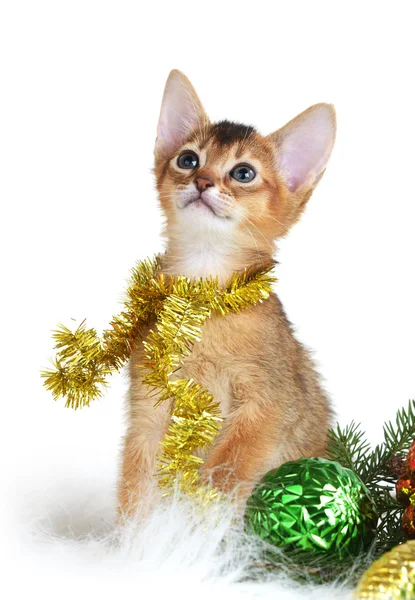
[[313, 504]]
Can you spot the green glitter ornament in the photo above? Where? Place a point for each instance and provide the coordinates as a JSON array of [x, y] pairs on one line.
[[313, 504]]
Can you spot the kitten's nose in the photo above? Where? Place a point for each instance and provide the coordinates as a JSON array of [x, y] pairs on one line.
[[202, 183]]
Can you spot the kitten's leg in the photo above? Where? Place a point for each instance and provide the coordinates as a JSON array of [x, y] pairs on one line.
[[251, 442], [259, 436], [245, 451], [137, 486]]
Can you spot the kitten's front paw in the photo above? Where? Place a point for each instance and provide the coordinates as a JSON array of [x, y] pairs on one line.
[[221, 477], [226, 480]]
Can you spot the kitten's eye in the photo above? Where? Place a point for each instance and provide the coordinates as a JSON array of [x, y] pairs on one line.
[[243, 173], [188, 160]]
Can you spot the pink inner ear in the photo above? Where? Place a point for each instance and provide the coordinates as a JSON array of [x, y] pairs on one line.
[[306, 147], [179, 115]]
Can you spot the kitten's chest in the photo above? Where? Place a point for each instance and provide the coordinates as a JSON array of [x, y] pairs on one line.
[[203, 258], [211, 363]]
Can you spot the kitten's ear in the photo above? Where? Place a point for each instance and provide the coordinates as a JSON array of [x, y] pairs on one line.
[[181, 112], [304, 145]]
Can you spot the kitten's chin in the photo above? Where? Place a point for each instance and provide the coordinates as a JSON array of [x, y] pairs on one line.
[[198, 216]]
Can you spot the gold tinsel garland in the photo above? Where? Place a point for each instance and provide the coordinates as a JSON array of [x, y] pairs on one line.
[[181, 306]]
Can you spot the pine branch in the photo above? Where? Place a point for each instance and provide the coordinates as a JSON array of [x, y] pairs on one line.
[[348, 447], [397, 440], [378, 469], [389, 531]]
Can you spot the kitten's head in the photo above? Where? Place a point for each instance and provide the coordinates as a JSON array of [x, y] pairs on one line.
[[225, 181]]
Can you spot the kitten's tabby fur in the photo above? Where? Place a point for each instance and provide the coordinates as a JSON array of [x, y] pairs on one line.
[[263, 378]]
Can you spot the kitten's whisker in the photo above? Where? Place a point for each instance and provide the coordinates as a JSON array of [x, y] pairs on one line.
[[254, 240], [250, 233], [259, 231], [276, 220], [255, 227]]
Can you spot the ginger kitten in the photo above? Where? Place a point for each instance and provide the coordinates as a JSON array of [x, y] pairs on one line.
[[227, 194]]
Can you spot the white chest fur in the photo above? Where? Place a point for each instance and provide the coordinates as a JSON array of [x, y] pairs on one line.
[[194, 252]]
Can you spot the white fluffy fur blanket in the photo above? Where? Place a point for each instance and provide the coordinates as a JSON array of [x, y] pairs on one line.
[[75, 550]]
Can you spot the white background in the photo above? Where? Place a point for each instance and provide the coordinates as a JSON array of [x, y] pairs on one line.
[[81, 85]]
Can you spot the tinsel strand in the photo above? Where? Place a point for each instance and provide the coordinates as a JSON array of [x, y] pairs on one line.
[[181, 306]]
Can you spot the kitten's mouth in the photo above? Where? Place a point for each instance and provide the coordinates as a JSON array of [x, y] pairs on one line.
[[201, 202]]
